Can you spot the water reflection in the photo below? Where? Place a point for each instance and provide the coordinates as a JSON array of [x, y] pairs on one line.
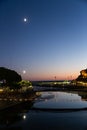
[[22, 116], [61, 100], [15, 114]]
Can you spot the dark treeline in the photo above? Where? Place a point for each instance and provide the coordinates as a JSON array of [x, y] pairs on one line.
[[9, 76]]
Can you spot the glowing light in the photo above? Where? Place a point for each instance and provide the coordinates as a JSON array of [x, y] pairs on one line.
[[25, 20], [24, 117], [1, 90], [24, 71]]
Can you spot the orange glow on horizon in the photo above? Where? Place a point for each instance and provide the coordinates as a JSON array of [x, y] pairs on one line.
[[50, 77]]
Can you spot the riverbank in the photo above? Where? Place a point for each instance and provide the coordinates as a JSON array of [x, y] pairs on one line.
[[60, 88], [10, 99]]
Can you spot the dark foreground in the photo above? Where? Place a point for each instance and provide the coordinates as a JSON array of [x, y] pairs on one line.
[[25, 116]]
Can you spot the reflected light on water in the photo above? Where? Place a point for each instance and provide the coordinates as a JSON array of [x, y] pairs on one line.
[[59, 100], [24, 117]]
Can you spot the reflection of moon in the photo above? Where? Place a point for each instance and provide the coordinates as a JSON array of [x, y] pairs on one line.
[[24, 116], [24, 71]]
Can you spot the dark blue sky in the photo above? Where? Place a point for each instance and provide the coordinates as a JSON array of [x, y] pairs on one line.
[[51, 43]]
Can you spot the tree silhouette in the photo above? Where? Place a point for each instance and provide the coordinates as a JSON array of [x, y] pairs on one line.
[[9, 77]]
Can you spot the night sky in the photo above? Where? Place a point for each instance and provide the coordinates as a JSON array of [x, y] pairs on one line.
[[41, 39]]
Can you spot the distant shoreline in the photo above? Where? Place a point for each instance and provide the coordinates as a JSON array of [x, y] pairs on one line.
[[56, 87]]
